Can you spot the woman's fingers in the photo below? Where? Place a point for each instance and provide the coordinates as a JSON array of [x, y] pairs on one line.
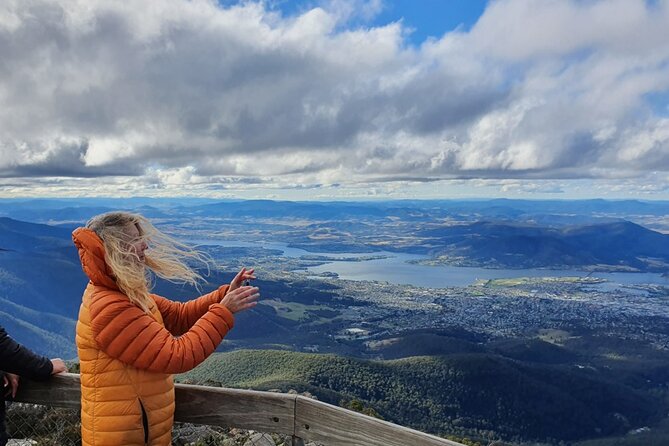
[[242, 276], [243, 293], [247, 290], [248, 305], [252, 297], [238, 278], [241, 298], [248, 275]]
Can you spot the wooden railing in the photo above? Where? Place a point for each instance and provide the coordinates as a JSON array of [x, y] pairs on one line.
[[300, 417]]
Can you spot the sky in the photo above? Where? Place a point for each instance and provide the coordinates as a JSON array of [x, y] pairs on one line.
[[335, 99]]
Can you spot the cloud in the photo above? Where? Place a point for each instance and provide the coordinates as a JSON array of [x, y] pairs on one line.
[[194, 93], [59, 156]]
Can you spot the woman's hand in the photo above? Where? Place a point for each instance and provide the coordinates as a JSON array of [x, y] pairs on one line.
[[241, 298], [239, 279]]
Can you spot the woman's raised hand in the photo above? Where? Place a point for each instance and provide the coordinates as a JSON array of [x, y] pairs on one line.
[[241, 276], [241, 298]]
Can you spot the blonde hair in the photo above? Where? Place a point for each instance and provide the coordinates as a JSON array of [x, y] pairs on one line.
[[166, 257]]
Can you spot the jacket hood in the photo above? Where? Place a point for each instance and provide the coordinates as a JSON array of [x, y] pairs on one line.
[[92, 255]]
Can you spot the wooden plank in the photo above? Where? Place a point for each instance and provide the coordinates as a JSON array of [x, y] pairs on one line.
[[245, 409], [335, 426], [61, 391]]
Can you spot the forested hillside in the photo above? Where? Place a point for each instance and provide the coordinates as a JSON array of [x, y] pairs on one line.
[[473, 395]]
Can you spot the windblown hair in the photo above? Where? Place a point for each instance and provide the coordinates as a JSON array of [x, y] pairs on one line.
[[166, 257]]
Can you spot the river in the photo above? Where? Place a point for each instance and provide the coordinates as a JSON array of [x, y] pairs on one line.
[[395, 269]]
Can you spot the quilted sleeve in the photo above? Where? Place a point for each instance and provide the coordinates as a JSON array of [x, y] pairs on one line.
[[179, 317], [125, 332], [15, 358]]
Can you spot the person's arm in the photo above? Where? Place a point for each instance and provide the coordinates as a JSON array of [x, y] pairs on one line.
[[179, 317], [17, 359], [125, 332]]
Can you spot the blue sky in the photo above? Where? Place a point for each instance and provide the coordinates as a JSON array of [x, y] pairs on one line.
[[432, 18], [426, 18], [335, 99]]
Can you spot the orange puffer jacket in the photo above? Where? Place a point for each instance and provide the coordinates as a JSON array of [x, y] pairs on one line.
[[127, 356]]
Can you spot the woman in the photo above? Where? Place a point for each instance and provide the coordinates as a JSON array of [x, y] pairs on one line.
[[130, 342]]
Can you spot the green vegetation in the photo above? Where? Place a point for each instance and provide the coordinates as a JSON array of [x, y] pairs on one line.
[[299, 312], [655, 436], [553, 336], [359, 406], [479, 396]]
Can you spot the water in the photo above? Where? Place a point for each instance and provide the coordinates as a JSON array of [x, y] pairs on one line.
[[287, 250], [395, 269]]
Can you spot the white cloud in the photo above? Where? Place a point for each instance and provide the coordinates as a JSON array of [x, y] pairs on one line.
[[648, 145], [188, 92]]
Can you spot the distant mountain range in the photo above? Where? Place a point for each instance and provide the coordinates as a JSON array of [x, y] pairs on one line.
[[500, 233], [545, 212], [617, 245]]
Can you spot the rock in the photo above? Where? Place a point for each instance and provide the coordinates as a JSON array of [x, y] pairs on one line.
[[260, 440], [186, 434]]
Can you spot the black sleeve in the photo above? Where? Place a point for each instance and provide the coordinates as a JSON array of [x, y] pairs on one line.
[[15, 358]]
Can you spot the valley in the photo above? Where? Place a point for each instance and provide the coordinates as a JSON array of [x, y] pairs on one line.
[[552, 340]]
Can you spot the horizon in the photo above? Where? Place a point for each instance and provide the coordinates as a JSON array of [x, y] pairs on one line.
[[336, 99], [332, 200]]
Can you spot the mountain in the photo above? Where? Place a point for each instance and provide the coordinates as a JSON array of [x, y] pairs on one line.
[[22, 236], [289, 209], [548, 212], [615, 244], [45, 333], [41, 282], [39, 267]]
